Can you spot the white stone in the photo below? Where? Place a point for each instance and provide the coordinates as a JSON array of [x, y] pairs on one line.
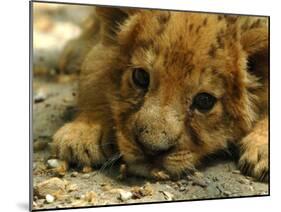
[[125, 195], [49, 198], [53, 163]]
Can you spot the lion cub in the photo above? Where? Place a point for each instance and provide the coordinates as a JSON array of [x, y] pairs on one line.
[[162, 90]]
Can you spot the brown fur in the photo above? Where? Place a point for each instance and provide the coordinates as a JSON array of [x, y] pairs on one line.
[[156, 132]]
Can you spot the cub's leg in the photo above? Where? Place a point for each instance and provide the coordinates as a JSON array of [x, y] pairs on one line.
[[254, 152], [81, 142]]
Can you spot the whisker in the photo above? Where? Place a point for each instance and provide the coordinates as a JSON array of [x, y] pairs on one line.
[[110, 162], [106, 164]]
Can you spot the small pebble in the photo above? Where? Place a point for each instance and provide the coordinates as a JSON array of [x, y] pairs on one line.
[[251, 188], [168, 187], [199, 182], [53, 163], [220, 188], [215, 178], [263, 193], [49, 198], [139, 192], [183, 182], [79, 203], [168, 196], [125, 195], [227, 193], [40, 202], [68, 201], [74, 174], [40, 97], [90, 197], [60, 206], [34, 204], [106, 187], [236, 172], [34, 165], [86, 176], [248, 177], [61, 170], [199, 174], [244, 181], [72, 187], [77, 196], [147, 189], [182, 189], [87, 169]]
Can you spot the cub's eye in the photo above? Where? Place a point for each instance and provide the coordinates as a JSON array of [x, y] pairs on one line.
[[204, 102], [141, 78]]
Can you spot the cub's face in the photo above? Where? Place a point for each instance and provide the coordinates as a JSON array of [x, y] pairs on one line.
[[184, 81]]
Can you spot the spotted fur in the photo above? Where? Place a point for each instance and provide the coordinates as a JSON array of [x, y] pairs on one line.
[[156, 130]]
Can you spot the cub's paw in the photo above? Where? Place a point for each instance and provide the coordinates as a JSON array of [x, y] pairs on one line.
[[254, 156], [78, 143]]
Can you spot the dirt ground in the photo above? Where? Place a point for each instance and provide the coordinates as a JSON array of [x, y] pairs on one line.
[[54, 98]]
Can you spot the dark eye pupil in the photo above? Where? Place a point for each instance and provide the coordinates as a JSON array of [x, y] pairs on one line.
[[203, 102], [141, 78]]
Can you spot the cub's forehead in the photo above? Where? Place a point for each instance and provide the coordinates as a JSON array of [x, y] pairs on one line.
[[183, 42], [182, 30], [178, 40]]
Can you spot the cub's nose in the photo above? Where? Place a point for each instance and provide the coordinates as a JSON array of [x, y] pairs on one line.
[[155, 141]]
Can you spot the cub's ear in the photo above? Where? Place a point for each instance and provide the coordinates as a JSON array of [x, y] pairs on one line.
[[111, 20], [254, 40]]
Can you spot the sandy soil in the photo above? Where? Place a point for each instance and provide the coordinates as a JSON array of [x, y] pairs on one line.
[[54, 104]]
